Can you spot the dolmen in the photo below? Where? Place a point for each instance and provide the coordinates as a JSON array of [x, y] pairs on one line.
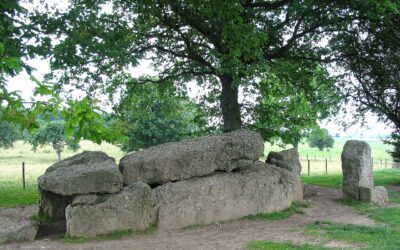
[[171, 186], [358, 180]]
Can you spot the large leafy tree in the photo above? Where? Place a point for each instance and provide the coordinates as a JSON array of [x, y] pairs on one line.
[[320, 138], [152, 114], [52, 133], [370, 55], [8, 134], [230, 44]]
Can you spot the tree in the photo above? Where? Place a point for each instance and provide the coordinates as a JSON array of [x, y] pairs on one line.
[[370, 56], [292, 99], [52, 133], [8, 134], [152, 114], [320, 138], [230, 44]]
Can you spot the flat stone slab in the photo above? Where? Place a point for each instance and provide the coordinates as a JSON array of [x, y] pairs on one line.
[[84, 173], [191, 158], [225, 196]]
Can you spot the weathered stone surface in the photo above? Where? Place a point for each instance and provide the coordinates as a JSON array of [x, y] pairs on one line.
[[357, 168], [132, 208], [309, 191], [84, 173], [287, 159], [191, 158], [53, 205], [377, 195], [224, 196], [16, 226]]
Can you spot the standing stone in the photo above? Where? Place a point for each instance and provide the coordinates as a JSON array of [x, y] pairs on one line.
[[192, 158], [84, 173], [357, 168]]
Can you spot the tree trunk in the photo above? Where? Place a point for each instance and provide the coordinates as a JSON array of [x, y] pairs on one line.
[[58, 155], [229, 104]]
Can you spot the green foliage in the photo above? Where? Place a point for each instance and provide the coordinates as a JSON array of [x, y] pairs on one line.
[[153, 114], [52, 132], [269, 245], [320, 138], [292, 99], [8, 134]]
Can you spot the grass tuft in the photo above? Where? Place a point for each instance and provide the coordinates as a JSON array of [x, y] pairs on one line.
[[269, 245], [295, 208]]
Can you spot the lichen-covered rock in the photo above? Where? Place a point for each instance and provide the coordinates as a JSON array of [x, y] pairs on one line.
[[309, 191], [225, 196], [191, 158], [287, 159], [357, 168], [91, 215], [84, 173], [53, 205]]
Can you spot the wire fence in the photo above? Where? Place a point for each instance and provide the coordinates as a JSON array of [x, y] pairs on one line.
[[319, 165]]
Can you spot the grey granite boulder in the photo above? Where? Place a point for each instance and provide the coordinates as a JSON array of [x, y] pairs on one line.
[[15, 224], [357, 168], [91, 215], [84, 173], [225, 196], [288, 159], [192, 158]]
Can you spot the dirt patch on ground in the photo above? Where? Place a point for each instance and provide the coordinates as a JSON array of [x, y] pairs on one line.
[[231, 235]]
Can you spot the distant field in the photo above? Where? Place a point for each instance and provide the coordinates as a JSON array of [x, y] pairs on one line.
[[317, 158]]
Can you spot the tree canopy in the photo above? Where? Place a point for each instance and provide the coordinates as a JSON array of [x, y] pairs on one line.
[[225, 46], [320, 138]]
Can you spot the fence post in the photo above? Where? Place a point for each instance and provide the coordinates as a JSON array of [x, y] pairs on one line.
[[23, 175], [308, 161], [385, 163], [315, 157], [307, 157], [326, 166], [330, 157]]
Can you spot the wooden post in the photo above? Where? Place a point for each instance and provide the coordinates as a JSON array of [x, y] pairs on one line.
[[315, 157], [330, 157], [385, 163], [23, 175], [308, 167], [307, 157], [326, 166]]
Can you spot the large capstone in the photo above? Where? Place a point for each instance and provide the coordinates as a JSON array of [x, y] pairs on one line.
[[225, 196], [84, 173], [192, 158], [357, 168], [130, 209], [287, 159]]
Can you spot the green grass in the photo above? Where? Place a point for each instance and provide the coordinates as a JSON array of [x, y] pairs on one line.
[[12, 194], [269, 245], [116, 235], [373, 237], [295, 208]]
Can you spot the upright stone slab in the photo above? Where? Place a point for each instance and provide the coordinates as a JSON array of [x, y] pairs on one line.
[[192, 158], [91, 215], [357, 168], [84, 173]]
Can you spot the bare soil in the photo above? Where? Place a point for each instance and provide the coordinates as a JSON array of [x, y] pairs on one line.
[[230, 235]]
